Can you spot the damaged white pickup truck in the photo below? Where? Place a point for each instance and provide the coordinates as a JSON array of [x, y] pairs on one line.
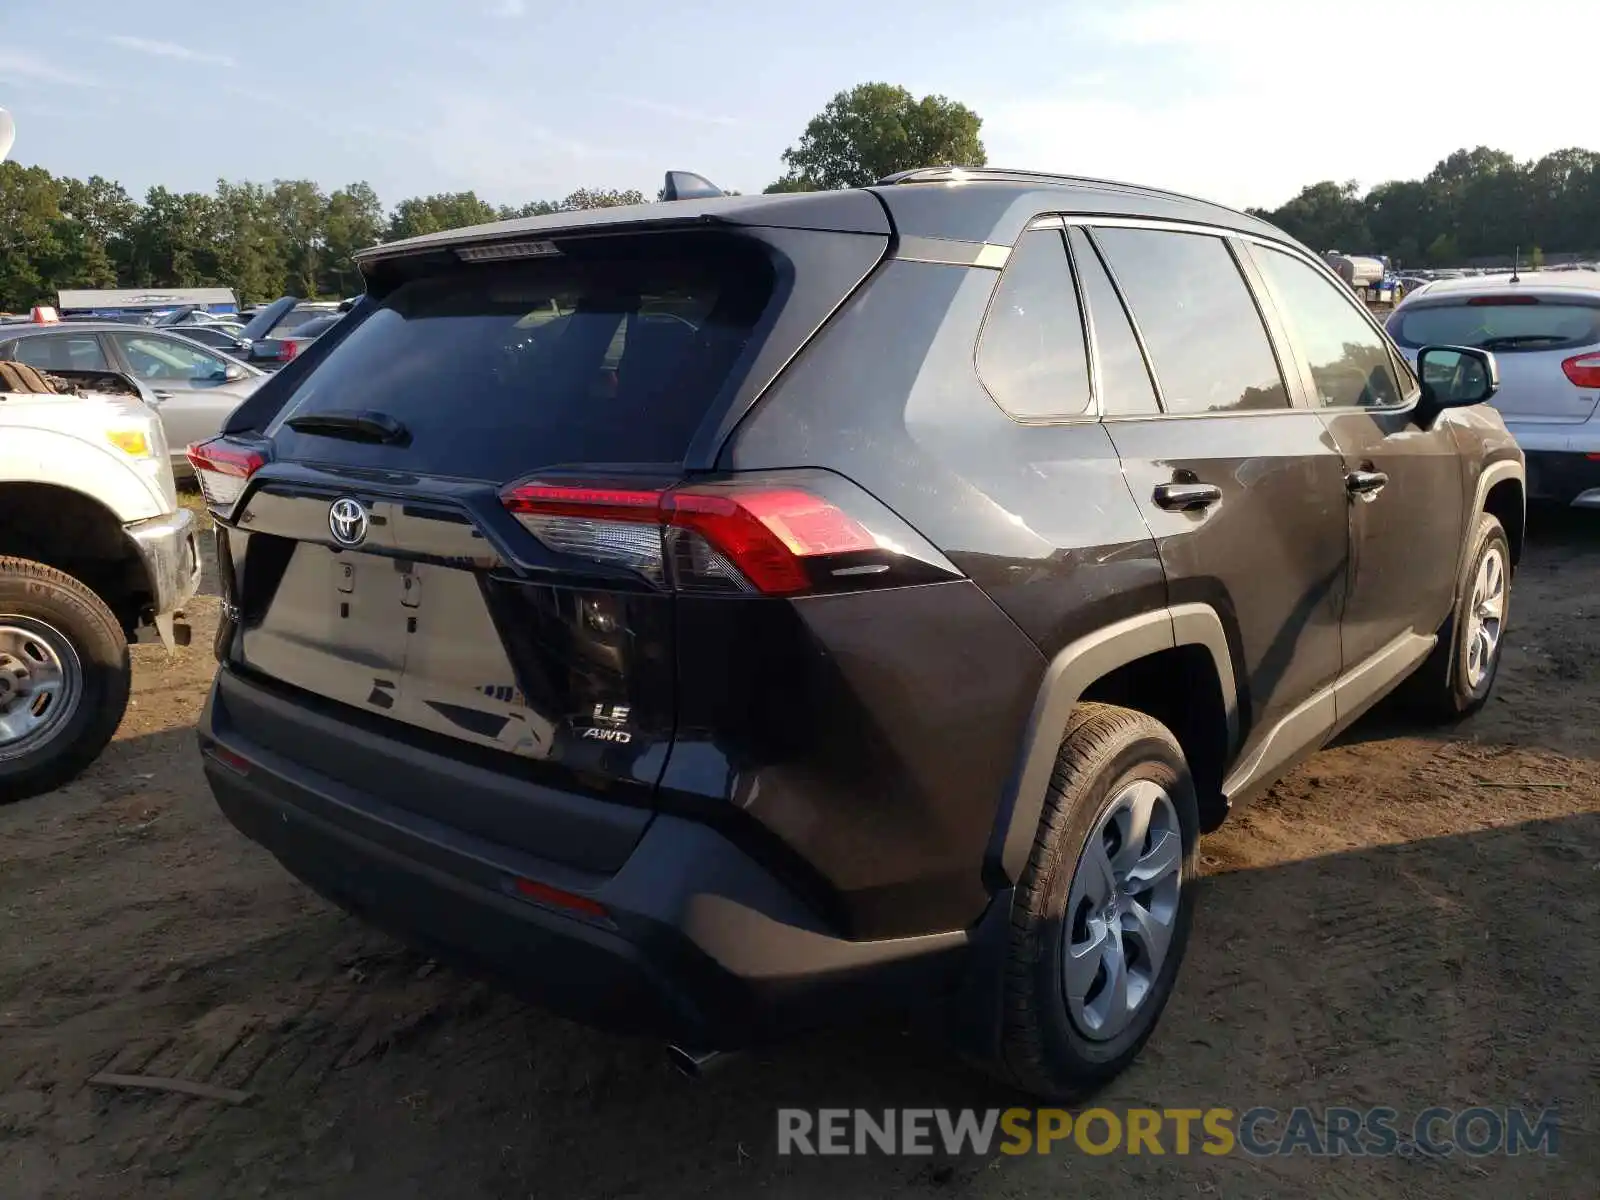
[[93, 545]]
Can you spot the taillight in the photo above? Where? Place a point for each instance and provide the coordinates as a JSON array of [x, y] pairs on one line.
[[1583, 370], [223, 467], [776, 540], [768, 535], [287, 350]]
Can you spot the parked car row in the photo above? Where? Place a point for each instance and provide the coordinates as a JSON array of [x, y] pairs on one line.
[[195, 373], [1544, 329]]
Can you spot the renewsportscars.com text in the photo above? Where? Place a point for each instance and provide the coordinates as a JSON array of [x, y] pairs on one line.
[[1262, 1132]]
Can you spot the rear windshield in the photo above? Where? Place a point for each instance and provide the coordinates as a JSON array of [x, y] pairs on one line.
[[294, 318], [1498, 327], [499, 370], [316, 326]]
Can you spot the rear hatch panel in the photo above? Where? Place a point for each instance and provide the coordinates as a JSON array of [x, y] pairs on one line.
[[450, 625]]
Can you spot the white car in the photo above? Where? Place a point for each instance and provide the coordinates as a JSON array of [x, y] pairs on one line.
[[1544, 330]]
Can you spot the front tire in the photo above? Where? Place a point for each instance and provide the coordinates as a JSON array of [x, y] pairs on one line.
[[64, 677], [1458, 676], [1102, 913]]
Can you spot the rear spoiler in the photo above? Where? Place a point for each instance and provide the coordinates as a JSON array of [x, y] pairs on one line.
[[831, 212]]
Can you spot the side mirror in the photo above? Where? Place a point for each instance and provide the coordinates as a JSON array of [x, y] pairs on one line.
[[234, 372], [1455, 377]]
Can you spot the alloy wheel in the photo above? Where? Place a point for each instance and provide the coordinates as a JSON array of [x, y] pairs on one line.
[[1122, 910], [1486, 617]]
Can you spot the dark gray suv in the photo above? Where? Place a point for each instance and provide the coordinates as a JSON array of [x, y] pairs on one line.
[[721, 616]]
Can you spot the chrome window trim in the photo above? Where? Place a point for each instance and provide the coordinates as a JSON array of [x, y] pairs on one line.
[[952, 253]]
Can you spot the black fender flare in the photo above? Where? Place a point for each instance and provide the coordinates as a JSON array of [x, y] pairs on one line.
[[1068, 676]]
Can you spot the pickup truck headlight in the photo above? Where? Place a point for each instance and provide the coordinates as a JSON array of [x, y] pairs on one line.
[[135, 443]]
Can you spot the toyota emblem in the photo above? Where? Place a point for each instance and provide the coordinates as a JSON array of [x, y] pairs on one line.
[[347, 521]]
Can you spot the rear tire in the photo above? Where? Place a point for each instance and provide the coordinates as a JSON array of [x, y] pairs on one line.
[[1456, 679], [1121, 814], [64, 677]]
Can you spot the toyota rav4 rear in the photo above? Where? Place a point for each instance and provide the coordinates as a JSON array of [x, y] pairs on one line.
[[512, 665]]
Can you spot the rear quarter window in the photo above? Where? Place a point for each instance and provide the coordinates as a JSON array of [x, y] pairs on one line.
[[1032, 355]]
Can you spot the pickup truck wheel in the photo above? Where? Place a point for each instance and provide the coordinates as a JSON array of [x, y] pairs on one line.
[[1458, 676], [1101, 915], [64, 677]]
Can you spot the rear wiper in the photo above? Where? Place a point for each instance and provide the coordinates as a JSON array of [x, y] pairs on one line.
[[376, 427], [1518, 339]]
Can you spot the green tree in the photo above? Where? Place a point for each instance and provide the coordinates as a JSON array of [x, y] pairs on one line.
[[1442, 251], [1399, 216], [790, 184], [300, 210], [248, 241], [534, 208], [1559, 212], [99, 217], [173, 242], [30, 224], [354, 221], [1326, 216], [431, 214], [876, 129], [585, 198]]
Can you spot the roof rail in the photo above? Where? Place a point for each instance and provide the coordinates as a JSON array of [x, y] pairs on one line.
[[948, 174]]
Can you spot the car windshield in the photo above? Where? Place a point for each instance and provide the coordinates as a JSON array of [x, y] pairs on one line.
[[1512, 325]]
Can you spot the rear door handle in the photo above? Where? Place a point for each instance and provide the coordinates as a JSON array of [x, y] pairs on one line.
[[1187, 497], [1366, 484]]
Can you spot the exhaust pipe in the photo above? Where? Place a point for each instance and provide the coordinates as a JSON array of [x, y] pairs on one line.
[[693, 1064]]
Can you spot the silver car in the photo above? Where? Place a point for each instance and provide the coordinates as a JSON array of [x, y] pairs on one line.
[[1544, 330], [193, 387]]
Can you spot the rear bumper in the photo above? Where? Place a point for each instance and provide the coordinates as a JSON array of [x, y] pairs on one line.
[[693, 942], [1563, 461]]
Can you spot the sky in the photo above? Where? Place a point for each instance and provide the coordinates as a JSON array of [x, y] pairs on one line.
[[1239, 101]]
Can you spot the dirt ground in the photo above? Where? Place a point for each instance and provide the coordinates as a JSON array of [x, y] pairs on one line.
[[1409, 920]]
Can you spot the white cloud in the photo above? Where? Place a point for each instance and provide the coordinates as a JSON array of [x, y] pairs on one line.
[[17, 64], [505, 152], [508, 8], [1246, 102], [676, 111], [170, 50]]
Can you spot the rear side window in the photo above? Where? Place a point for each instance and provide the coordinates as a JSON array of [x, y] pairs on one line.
[[59, 352], [1500, 324], [499, 370], [1205, 337], [1350, 362], [1124, 378], [161, 359], [1032, 356]]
